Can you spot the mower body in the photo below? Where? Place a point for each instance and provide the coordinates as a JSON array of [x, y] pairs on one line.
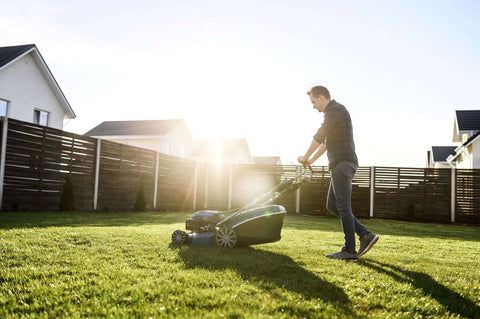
[[254, 226]]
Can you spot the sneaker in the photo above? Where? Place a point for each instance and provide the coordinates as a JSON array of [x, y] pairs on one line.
[[343, 255], [366, 243]]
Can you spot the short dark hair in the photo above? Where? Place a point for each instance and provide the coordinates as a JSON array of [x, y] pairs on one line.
[[319, 90]]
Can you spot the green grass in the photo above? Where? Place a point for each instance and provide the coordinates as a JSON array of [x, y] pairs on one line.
[[122, 265]]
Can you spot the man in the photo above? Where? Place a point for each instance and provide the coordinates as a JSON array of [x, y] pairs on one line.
[[335, 136]]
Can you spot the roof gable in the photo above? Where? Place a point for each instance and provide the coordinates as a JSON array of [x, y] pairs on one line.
[[141, 128], [9, 55], [440, 153], [468, 120]]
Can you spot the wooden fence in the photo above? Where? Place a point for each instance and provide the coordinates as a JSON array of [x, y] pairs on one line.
[[36, 160]]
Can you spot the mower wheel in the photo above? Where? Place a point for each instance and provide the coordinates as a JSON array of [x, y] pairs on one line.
[[179, 237], [226, 237]]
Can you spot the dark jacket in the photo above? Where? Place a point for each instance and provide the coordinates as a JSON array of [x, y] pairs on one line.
[[337, 134]]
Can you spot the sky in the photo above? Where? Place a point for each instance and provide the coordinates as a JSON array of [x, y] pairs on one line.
[[241, 69]]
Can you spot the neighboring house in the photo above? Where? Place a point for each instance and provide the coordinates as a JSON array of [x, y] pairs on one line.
[[170, 137], [28, 90], [270, 160], [466, 130], [226, 151], [437, 157]]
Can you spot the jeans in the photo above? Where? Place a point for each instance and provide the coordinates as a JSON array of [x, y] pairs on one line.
[[339, 203]]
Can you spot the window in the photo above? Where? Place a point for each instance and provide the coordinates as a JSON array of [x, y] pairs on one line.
[[40, 117], [3, 107]]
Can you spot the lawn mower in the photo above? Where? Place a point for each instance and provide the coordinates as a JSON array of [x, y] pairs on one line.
[[255, 223]]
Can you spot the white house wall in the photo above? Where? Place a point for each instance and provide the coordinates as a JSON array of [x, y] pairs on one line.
[[24, 86], [243, 156], [476, 153], [149, 143], [442, 165], [178, 142]]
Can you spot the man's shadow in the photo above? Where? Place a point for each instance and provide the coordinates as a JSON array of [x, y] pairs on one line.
[[266, 269], [450, 299]]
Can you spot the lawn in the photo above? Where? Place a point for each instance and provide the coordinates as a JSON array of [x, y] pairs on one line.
[[118, 265]]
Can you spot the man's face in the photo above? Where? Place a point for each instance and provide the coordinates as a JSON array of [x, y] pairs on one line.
[[318, 103]]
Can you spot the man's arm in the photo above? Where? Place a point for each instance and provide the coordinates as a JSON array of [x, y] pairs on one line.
[[320, 151], [314, 146]]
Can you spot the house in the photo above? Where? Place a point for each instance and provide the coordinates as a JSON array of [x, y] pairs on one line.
[[28, 90], [267, 160], [227, 151], [466, 130], [170, 137], [437, 157]]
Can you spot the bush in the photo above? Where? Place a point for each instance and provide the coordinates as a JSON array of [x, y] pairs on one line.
[[140, 205], [67, 200], [411, 211]]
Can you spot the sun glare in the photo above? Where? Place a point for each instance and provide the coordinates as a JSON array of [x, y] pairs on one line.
[[217, 148]]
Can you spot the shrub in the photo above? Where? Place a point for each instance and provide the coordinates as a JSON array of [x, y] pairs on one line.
[[67, 200], [411, 211], [140, 205]]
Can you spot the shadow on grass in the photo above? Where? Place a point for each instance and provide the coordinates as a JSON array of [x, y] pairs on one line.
[[388, 227], [267, 270], [451, 300], [12, 220]]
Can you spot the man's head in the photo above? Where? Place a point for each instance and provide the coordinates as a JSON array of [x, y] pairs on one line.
[[320, 97]]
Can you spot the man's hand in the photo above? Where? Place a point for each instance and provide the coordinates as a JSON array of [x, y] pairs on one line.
[[302, 160]]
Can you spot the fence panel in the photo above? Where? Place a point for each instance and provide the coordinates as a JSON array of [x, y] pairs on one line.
[[38, 160], [467, 204], [175, 183], [123, 169], [213, 186], [288, 200], [412, 194], [314, 192]]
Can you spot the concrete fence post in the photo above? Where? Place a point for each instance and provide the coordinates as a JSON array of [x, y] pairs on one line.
[[206, 186], [195, 180], [155, 187], [2, 157], [97, 173], [297, 197], [372, 189], [230, 186], [453, 195]]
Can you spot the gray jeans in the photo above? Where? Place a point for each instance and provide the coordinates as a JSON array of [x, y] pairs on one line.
[[339, 203]]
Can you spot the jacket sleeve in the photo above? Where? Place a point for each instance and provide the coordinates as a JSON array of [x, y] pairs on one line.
[[327, 126]]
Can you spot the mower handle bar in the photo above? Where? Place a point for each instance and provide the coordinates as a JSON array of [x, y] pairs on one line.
[[280, 189]]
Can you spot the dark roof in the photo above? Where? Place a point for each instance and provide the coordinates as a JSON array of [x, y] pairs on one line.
[[8, 54], [152, 127], [440, 153], [468, 120], [209, 148], [266, 159]]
